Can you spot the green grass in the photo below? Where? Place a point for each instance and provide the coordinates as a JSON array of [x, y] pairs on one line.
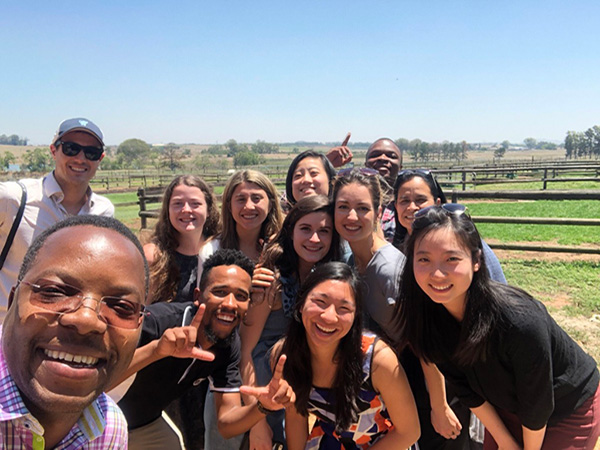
[[563, 234], [535, 186]]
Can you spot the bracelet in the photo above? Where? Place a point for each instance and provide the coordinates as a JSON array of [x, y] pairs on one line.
[[264, 410]]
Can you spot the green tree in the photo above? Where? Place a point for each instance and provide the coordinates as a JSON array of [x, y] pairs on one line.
[[134, 153], [505, 145], [500, 152], [7, 159], [233, 147], [37, 160], [530, 143], [264, 147], [247, 159], [171, 156], [216, 150]]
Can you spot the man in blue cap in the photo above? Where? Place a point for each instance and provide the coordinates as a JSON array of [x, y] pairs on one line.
[[77, 149]]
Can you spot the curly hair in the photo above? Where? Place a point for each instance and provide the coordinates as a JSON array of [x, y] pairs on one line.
[[348, 356], [272, 223], [164, 271]]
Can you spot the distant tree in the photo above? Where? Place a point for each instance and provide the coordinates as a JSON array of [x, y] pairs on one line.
[[247, 159], [110, 163], [6, 159], [37, 160], [171, 156], [264, 147], [13, 139], [134, 153], [530, 143], [233, 147], [570, 144], [216, 150], [464, 148], [505, 145], [499, 152], [403, 144]]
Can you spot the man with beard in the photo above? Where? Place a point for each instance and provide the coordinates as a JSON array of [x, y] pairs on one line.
[[386, 158], [172, 357]]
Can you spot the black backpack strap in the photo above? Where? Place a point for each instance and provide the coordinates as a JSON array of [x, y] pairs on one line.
[[15, 225]]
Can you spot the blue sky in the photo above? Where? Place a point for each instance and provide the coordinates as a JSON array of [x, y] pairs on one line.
[[204, 72]]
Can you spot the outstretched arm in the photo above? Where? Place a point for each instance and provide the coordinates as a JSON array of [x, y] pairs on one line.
[[235, 419]]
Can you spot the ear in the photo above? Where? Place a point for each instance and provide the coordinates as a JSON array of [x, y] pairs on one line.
[[197, 297], [101, 158], [438, 202], [379, 213], [477, 262], [53, 150]]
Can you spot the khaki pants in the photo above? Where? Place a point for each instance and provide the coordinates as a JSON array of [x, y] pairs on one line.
[[158, 435]]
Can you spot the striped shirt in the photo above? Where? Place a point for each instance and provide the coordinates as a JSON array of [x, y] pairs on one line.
[[101, 426]]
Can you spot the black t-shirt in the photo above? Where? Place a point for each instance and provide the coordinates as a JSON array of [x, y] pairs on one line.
[[158, 384], [188, 276]]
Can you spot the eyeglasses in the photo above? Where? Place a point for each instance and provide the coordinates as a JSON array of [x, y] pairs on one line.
[[422, 172], [366, 171], [90, 152], [449, 208], [62, 298]]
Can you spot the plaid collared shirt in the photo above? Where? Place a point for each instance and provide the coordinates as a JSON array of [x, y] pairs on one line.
[[388, 222], [102, 425]]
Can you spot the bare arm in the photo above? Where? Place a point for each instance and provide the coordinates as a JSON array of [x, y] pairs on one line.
[[296, 429], [492, 422], [390, 381], [533, 439], [443, 419]]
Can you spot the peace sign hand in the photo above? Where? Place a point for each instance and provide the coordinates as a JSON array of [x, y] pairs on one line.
[[180, 342], [277, 394]]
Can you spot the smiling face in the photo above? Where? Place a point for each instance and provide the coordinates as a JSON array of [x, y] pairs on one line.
[[249, 206], [312, 237], [187, 209], [355, 217], [384, 156], [309, 178], [413, 195], [99, 262], [328, 313], [75, 170], [226, 295], [444, 269]]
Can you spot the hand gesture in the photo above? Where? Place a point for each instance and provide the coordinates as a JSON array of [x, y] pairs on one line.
[[445, 422], [180, 342], [278, 394], [263, 280], [338, 156]]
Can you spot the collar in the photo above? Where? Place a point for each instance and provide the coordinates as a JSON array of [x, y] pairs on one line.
[[53, 190]]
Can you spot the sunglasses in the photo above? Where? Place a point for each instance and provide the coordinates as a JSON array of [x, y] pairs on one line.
[[449, 208], [366, 171], [90, 152], [422, 172], [62, 298]]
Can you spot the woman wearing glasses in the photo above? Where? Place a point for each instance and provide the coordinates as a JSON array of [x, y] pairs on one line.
[[518, 371]]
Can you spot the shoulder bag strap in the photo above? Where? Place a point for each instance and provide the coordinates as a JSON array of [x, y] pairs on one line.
[[15, 225]]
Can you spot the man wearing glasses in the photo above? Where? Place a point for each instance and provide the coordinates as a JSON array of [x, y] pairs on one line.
[[77, 149], [73, 323]]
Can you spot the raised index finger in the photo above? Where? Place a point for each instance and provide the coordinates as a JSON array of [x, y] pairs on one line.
[[347, 139], [197, 320], [278, 372]]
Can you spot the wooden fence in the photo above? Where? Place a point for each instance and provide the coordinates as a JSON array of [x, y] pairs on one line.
[[534, 195]]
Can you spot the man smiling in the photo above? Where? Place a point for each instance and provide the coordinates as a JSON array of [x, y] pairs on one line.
[[71, 330], [173, 357], [77, 149]]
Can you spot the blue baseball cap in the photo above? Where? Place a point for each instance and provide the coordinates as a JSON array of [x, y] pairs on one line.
[[78, 124]]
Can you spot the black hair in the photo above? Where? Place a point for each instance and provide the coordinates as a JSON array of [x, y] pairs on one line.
[[75, 221], [225, 257], [426, 326], [329, 170], [348, 356], [400, 232], [280, 253]]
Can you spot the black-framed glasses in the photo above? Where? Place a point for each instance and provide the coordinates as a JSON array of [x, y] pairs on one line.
[[449, 208], [90, 152], [61, 298], [366, 171]]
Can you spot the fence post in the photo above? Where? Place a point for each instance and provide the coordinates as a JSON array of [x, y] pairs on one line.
[[142, 201], [464, 180], [545, 179]]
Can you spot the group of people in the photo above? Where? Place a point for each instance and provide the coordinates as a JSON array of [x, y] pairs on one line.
[[359, 309]]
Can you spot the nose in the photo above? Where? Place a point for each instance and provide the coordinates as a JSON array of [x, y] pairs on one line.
[[249, 204], [230, 301], [329, 314], [315, 238], [352, 214], [186, 207], [438, 272], [85, 318]]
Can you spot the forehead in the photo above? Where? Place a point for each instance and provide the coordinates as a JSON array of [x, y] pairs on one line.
[[355, 192], [248, 188], [441, 240], [314, 218], [334, 290], [89, 252], [183, 190], [310, 162], [232, 276], [383, 146], [415, 184]]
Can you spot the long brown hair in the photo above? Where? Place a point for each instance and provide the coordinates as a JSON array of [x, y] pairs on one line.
[[271, 224], [164, 272]]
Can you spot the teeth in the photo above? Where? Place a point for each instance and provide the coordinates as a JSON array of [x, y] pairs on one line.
[[440, 288], [69, 357], [78, 169], [225, 317], [325, 330]]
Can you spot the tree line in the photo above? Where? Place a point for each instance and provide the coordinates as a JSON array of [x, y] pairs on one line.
[[13, 139], [581, 144]]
